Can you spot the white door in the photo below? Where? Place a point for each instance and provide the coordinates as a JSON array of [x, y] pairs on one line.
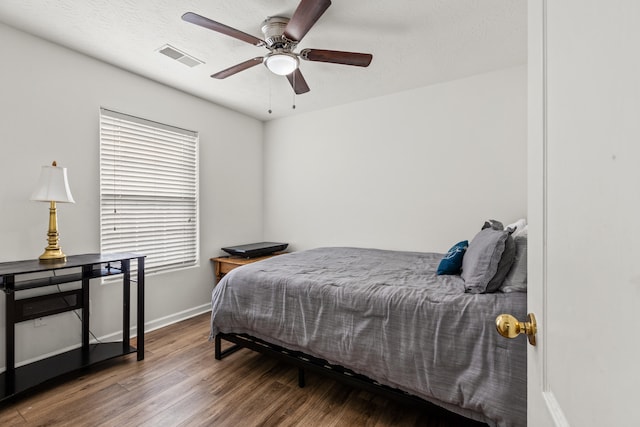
[[584, 212]]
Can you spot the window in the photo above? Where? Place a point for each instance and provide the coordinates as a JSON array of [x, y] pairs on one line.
[[148, 191]]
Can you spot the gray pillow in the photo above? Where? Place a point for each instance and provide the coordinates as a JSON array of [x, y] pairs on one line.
[[493, 223], [505, 264], [480, 262], [516, 280]]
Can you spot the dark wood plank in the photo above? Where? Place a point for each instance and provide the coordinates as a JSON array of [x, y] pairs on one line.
[[179, 383]]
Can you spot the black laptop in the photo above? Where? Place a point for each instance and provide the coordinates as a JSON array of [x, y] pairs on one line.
[[253, 250]]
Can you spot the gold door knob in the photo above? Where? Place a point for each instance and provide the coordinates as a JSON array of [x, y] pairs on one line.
[[509, 327]]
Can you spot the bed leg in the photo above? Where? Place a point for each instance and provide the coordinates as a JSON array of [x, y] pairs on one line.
[[301, 377], [219, 352], [218, 347]]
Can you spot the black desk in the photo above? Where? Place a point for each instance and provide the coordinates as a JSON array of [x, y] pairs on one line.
[[14, 277]]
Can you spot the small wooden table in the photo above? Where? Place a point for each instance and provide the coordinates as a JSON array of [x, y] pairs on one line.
[[224, 264]]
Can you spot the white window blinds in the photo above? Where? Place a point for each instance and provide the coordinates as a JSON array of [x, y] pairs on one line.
[[148, 191]]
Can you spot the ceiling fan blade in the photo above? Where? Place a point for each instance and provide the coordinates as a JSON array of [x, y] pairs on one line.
[[237, 68], [298, 82], [337, 57], [194, 18], [306, 14]]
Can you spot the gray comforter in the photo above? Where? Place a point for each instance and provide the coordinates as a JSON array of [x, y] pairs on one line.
[[387, 315]]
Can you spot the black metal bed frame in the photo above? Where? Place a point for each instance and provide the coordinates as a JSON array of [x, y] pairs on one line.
[[306, 362]]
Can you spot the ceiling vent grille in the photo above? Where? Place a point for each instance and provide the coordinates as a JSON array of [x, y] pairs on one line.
[[179, 56]]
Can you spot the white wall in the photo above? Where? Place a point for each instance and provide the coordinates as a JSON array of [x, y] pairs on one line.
[[49, 108], [418, 170]]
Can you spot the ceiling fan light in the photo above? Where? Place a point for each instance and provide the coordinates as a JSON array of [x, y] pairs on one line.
[[282, 64]]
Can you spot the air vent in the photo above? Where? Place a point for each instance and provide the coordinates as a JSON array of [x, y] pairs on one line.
[[179, 56]]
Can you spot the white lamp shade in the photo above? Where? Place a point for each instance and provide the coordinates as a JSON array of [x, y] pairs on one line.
[[282, 64], [53, 186]]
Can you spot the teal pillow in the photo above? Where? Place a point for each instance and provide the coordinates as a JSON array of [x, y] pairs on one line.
[[452, 260]]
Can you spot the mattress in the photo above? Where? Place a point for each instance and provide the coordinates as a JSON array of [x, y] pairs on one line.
[[387, 315]]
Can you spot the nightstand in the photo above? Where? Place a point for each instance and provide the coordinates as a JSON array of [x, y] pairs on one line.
[[224, 264]]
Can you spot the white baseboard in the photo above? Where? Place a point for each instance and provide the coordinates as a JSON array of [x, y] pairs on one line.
[[173, 318], [161, 322]]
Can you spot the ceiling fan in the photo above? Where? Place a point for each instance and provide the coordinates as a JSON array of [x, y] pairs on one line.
[[281, 37]]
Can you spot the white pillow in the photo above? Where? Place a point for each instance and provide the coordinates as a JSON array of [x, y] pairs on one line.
[[517, 227], [524, 232]]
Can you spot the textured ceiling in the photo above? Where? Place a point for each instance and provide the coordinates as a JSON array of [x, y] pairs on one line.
[[414, 43]]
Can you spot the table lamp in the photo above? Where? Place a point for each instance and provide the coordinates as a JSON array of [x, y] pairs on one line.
[[53, 187]]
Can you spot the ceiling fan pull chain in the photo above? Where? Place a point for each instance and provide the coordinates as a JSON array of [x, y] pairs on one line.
[[269, 83], [293, 106]]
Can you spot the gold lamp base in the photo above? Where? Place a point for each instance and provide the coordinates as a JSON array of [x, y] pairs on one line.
[[53, 255], [53, 252]]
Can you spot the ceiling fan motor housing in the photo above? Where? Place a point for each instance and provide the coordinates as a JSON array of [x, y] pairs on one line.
[[273, 29]]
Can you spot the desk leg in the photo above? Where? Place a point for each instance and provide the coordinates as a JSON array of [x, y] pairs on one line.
[[86, 273], [10, 337], [126, 300], [140, 338]]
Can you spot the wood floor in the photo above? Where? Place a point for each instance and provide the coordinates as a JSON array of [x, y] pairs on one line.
[[181, 384]]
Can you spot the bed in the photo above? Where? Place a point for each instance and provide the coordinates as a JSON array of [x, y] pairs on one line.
[[388, 317]]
